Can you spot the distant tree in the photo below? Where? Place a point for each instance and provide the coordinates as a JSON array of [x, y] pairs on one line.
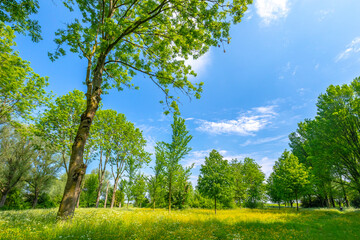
[[58, 124], [21, 90], [239, 185], [215, 179], [155, 183], [254, 180], [174, 152], [17, 14], [293, 175], [128, 150], [16, 153], [139, 189], [106, 125], [121, 39], [275, 190], [43, 170], [91, 183]]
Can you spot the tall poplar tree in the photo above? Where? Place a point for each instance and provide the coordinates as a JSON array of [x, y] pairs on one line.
[[174, 152]]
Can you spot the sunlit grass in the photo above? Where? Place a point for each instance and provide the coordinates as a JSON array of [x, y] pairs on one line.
[[186, 224]]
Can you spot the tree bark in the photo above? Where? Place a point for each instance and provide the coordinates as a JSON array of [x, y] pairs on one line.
[[106, 195], [3, 199], [120, 204], [35, 199], [77, 168], [215, 205], [170, 196], [101, 178], [154, 206], [297, 203], [279, 205], [114, 192]]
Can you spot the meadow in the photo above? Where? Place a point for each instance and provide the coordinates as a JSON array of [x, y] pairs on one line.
[[135, 223]]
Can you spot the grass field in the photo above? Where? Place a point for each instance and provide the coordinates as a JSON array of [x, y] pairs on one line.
[[188, 224]]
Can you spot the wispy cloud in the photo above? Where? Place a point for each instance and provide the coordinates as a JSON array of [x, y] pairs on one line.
[[246, 124], [264, 140], [272, 10], [352, 48], [324, 13]]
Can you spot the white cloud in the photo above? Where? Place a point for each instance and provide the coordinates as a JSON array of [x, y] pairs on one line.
[[246, 124], [272, 10], [199, 65], [264, 140], [267, 165], [352, 48]]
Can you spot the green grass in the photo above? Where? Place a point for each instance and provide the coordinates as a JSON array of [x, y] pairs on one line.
[[188, 224]]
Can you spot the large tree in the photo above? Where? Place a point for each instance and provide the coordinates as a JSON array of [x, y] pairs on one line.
[[215, 180], [121, 38]]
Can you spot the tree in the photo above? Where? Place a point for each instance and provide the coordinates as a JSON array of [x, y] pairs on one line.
[[215, 179], [274, 189], [155, 182], [128, 151], [106, 125], [44, 167], [91, 183], [58, 124], [21, 90], [122, 38], [139, 189], [17, 13], [16, 152], [293, 175], [239, 185], [254, 180], [175, 151]]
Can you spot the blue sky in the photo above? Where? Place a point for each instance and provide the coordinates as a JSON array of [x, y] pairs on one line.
[[281, 57]]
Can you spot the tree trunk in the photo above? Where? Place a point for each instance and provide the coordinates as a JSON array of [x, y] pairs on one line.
[[77, 168], [291, 203], [279, 205], [98, 194], [154, 206], [120, 204], [81, 188], [114, 192], [35, 199], [106, 195], [345, 195], [170, 197], [297, 203], [101, 178], [3, 199], [215, 205]]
